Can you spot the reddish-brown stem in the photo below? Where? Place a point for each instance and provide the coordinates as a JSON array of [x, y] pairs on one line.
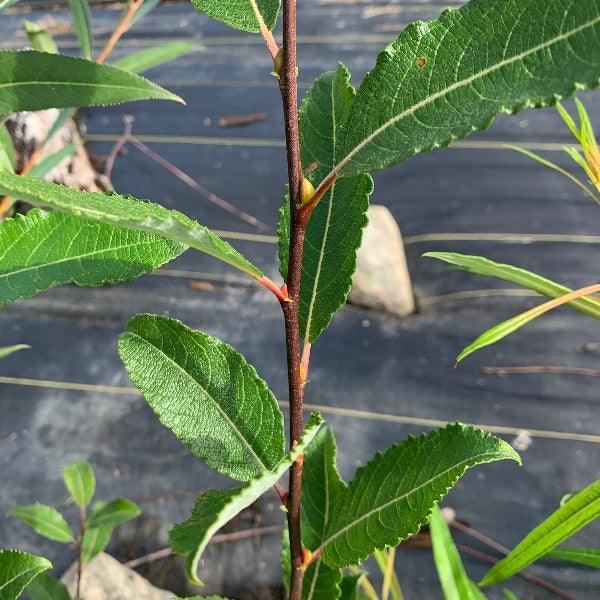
[[114, 153], [215, 539], [541, 370], [122, 27], [289, 93]]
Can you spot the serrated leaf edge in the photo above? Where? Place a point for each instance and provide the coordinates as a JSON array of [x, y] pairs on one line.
[[505, 446], [275, 474], [528, 103]]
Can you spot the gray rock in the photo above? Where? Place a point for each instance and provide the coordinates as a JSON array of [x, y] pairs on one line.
[[381, 280], [107, 579]]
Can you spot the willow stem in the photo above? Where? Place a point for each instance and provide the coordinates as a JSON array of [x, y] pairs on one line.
[[289, 94]]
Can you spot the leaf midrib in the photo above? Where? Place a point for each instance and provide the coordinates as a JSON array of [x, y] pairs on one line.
[[78, 480], [72, 258], [261, 21], [245, 442], [528, 549], [19, 575], [458, 85], [13, 84], [46, 523], [373, 511], [327, 222]]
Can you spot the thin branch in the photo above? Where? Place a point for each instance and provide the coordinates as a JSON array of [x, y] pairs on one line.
[[477, 535], [423, 540], [121, 29], [118, 146], [542, 370], [546, 585], [241, 120], [216, 539], [192, 183]]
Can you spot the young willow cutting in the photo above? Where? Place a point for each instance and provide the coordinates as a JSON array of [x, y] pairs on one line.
[[438, 81]]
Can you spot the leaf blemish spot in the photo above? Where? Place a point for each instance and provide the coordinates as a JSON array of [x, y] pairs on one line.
[[421, 62]]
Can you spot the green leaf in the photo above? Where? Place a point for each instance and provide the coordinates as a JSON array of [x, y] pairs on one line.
[[216, 507], [589, 557], [247, 15], [45, 520], [8, 160], [46, 587], [526, 279], [568, 121], [113, 513], [574, 154], [223, 411], [7, 3], [508, 595], [147, 7], [392, 496], [572, 516], [321, 486], [44, 166], [31, 80], [125, 211], [17, 569], [82, 24], [39, 37], [41, 250], [80, 482], [443, 79], [142, 60], [453, 578], [8, 350], [95, 540], [334, 231], [500, 331], [350, 587]]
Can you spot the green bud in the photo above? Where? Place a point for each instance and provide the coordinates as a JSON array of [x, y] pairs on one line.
[[307, 191], [278, 63]]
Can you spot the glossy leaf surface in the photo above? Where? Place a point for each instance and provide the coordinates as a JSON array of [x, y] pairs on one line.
[[127, 212], [41, 250]]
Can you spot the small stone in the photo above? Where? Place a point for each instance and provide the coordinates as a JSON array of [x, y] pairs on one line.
[[381, 280], [107, 579]]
